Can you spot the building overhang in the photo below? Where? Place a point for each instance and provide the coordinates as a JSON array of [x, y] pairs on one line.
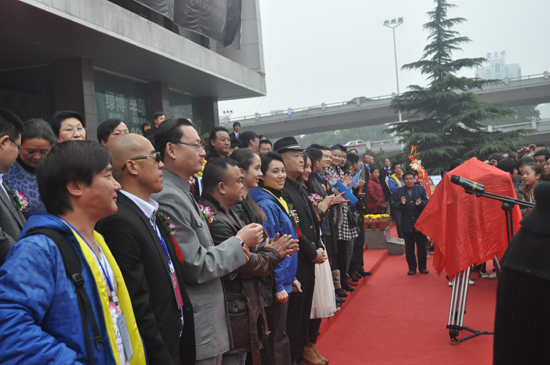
[[40, 32]]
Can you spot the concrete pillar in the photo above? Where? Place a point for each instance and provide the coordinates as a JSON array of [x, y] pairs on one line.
[[209, 113], [75, 90], [159, 98]]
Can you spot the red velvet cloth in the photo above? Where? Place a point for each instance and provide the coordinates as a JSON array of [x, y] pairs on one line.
[[468, 229]]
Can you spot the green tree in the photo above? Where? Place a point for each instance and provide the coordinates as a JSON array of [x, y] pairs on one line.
[[449, 114]]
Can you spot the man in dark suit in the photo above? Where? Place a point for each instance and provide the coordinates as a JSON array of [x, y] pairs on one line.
[[411, 200], [11, 218], [311, 251], [144, 250], [236, 129], [220, 143]]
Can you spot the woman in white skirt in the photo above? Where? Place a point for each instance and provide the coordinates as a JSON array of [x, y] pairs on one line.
[[323, 304]]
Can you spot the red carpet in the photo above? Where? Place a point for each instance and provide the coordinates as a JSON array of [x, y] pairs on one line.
[[398, 319]]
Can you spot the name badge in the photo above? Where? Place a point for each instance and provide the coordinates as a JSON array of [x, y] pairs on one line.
[[125, 334]]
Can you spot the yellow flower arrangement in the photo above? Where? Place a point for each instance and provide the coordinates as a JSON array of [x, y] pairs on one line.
[[376, 218]]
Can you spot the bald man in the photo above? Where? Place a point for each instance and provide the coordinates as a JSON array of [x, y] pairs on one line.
[[146, 254]]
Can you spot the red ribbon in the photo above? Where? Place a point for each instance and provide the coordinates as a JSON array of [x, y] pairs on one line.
[[177, 248]]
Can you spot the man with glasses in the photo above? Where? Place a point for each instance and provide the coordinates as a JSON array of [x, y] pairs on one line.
[[68, 125], [11, 217], [203, 262], [146, 254], [220, 143]]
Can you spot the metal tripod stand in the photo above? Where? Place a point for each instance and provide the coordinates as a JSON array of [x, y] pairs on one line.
[[458, 308]]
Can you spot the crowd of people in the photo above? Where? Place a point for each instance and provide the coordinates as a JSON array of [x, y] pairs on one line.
[[161, 248]]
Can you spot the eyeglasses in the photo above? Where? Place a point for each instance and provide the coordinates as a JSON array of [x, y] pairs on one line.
[[196, 146], [19, 148], [72, 130], [155, 156]]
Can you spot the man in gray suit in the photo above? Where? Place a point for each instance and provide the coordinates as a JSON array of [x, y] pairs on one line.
[[11, 218], [204, 263]]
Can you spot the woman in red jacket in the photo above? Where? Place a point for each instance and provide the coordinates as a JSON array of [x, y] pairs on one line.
[[375, 195]]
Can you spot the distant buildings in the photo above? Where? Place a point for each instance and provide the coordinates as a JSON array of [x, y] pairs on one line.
[[498, 69]]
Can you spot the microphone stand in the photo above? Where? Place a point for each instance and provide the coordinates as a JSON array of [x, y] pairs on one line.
[[460, 281]]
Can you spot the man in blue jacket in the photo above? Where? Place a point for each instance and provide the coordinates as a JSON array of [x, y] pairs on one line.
[[40, 320], [410, 200]]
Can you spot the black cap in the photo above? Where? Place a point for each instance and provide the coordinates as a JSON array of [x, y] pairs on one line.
[[287, 144]]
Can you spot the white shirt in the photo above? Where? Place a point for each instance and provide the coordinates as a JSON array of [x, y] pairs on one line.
[[149, 208]]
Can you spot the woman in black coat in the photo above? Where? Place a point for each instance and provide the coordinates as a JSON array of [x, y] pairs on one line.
[[523, 295]]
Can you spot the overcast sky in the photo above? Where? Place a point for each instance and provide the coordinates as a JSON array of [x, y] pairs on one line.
[[330, 51]]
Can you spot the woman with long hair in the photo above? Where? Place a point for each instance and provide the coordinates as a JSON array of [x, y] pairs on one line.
[[323, 304]]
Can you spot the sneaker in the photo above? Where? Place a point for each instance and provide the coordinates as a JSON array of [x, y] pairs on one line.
[[493, 276], [483, 275]]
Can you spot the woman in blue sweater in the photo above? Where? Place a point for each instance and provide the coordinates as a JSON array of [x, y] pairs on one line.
[[36, 141], [268, 196]]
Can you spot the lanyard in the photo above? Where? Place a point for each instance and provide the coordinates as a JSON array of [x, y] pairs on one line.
[[100, 262], [173, 276], [531, 195]]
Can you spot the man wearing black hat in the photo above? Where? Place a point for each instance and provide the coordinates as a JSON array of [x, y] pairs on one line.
[[311, 251]]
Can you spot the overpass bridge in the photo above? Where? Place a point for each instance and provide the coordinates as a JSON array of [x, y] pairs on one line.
[[540, 133], [362, 112]]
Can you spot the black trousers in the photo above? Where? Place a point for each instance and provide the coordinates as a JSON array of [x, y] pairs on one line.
[[342, 259], [421, 243], [357, 261], [278, 339], [299, 310]]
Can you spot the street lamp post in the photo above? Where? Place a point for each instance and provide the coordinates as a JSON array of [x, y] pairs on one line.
[[394, 23]]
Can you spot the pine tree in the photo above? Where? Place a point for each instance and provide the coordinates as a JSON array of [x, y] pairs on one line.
[[449, 113]]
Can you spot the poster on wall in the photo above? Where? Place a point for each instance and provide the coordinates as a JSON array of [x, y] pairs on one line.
[[216, 19], [118, 97]]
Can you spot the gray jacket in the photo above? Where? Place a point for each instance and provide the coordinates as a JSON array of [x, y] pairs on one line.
[[204, 264], [11, 223]]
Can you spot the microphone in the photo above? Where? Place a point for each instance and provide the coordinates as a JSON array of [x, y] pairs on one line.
[[469, 186]]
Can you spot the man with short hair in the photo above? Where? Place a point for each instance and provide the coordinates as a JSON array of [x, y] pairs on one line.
[[204, 263], [158, 118], [223, 182], [42, 319], [411, 200], [265, 146], [146, 254], [366, 161], [387, 166], [541, 157], [236, 128], [250, 140], [353, 150], [11, 217], [394, 182], [220, 143], [311, 251]]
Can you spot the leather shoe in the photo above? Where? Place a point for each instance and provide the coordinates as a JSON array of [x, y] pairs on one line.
[[355, 277], [340, 300], [424, 271], [348, 288], [352, 283], [362, 272], [341, 293], [411, 272]]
